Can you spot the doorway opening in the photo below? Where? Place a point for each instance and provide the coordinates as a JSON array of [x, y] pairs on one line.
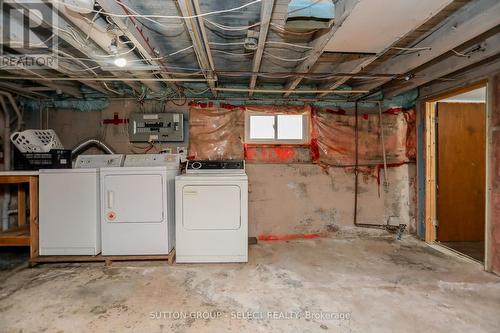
[[456, 146]]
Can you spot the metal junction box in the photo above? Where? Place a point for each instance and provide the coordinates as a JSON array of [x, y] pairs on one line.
[[156, 127]]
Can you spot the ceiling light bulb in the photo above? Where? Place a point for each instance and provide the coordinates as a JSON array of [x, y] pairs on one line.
[[121, 62]]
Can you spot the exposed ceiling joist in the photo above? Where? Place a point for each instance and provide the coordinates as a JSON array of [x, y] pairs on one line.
[[463, 79], [68, 89], [343, 9], [102, 39], [266, 12], [134, 34], [489, 48], [472, 20], [201, 47], [67, 39], [21, 90]]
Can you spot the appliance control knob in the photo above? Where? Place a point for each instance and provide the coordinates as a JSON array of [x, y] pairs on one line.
[[196, 165]]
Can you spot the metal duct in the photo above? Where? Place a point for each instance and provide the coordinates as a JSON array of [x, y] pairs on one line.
[[86, 144]]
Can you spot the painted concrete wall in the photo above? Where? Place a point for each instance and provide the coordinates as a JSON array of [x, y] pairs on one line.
[[284, 198]]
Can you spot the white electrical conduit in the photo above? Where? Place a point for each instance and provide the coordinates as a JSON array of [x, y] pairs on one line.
[[15, 108], [281, 91], [231, 28], [382, 138], [86, 78], [6, 163]]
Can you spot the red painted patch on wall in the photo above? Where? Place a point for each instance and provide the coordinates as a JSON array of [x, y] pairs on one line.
[[287, 237]]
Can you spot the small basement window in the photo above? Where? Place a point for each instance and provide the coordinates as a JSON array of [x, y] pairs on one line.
[[267, 128]]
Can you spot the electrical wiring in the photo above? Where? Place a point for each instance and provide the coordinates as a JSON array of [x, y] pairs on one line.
[[229, 43], [283, 29], [43, 43], [290, 44], [458, 54], [150, 16], [268, 42], [427, 48], [232, 53], [92, 23], [231, 28], [179, 51], [117, 54], [112, 90], [286, 59], [199, 92]]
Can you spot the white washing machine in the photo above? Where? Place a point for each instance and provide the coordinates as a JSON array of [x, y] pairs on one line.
[[138, 205], [69, 212], [212, 212]]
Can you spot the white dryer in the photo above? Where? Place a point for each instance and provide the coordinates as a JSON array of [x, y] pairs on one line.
[[212, 212], [69, 212], [137, 205]]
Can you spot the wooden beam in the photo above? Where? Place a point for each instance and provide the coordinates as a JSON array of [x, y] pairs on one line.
[[136, 35], [68, 89], [490, 48], [20, 90], [102, 40], [472, 20], [197, 33], [349, 67], [266, 13], [343, 9], [455, 83], [430, 172], [67, 39]]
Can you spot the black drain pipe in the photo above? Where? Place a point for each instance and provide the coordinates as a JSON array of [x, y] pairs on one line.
[[356, 172]]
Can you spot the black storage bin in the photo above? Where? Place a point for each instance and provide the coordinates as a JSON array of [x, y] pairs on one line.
[[55, 159]]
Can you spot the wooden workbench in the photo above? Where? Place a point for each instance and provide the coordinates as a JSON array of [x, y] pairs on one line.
[[23, 234]]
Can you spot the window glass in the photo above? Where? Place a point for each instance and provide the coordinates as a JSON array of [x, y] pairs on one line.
[[262, 127], [290, 127]]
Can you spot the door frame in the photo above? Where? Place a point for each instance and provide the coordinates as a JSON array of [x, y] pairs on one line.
[[429, 144]]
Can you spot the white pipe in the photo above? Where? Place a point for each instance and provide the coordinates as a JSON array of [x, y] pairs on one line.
[[382, 138], [16, 110], [281, 91], [6, 163], [86, 78]]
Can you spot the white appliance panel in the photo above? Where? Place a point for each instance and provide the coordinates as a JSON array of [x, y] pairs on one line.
[[136, 198], [138, 212], [211, 207], [69, 221], [207, 223]]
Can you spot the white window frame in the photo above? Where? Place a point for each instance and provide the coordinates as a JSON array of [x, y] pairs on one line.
[[276, 141]]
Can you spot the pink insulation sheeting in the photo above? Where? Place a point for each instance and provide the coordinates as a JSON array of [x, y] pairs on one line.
[[219, 133], [333, 137], [258, 153], [216, 133]]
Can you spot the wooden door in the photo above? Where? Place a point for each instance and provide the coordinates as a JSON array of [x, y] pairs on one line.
[[461, 140]]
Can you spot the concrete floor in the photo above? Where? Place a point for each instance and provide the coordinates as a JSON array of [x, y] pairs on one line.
[[357, 281]]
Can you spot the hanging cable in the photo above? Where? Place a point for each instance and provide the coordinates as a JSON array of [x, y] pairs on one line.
[[231, 28], [382, 138], [290, 44], [285, 59], [356, 174], [146, 16], [283, 30]]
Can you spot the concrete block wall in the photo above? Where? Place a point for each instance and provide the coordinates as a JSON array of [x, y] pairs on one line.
[[284, 199]]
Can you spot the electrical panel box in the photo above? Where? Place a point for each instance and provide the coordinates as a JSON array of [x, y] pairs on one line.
[[156, 127]]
